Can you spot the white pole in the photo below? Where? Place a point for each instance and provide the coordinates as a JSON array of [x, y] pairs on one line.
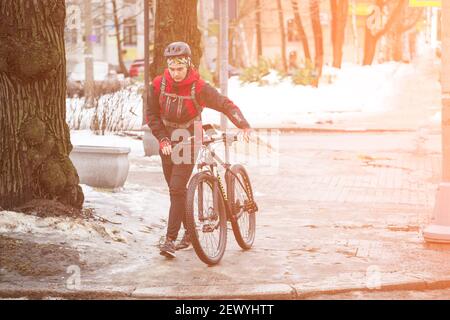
[[88, 63], [223, 75], [146, 57], [104, 33], [439, 229], [445, 83]]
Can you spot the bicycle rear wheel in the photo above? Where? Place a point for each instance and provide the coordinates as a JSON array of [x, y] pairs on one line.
[[206, 219], [243, 218]]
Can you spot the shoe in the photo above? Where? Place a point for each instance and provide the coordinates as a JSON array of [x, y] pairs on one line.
[[184, 243], [167, 249]]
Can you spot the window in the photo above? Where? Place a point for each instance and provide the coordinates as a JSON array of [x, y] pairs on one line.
[[130, 32], [97, 30], [71, 36]]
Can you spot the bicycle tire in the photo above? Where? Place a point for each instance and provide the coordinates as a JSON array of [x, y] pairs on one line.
[[244, 238], [191, 225]]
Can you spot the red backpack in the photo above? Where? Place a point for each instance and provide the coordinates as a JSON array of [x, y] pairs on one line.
[[179, 111]]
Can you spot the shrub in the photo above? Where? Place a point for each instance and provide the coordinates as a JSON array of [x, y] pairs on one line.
[[256, 73], [305, 76], [112, 112]]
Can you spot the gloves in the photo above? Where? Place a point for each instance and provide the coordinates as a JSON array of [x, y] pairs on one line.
[[165, 146]]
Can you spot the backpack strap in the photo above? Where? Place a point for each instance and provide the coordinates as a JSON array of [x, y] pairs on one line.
[[162, 90], [194, 100]]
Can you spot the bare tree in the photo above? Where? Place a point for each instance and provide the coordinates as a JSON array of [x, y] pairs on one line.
[[374, 29], [408, 20], [339, 13], [259, 47], [111, 9], [34, 137], [254, 10], [282, 35], [300, 30], [122, 67], [314, 7]]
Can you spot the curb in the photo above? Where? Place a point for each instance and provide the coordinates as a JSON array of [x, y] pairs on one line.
[[92, 294], [225, 292], [418, 285], [262, 291]]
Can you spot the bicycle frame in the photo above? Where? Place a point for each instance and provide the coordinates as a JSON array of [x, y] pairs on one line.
[[211, 160], [210, 165]]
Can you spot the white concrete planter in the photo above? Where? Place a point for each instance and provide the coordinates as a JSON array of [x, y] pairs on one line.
[[101, 167], [151, 144]]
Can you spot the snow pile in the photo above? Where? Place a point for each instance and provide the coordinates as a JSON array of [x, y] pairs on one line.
[[117, 216], [74, 229], [355, 89], [87, 138]]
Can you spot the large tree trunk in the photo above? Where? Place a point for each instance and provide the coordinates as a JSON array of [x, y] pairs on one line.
[[301, 30], [282, 35], [406, 21], [339, 12], [259, 47], [34, 136], [397, 45], [176, 20], [318, 38], [122, 67], [370, 47], [372, 36]]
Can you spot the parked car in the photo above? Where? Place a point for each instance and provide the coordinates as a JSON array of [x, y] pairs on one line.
[[106, 79], [137, 69]]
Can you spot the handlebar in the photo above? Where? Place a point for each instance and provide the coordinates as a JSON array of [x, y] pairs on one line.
[[225, 137], [228, 138]]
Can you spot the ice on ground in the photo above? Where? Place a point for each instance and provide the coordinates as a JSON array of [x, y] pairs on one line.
[[121, 216]]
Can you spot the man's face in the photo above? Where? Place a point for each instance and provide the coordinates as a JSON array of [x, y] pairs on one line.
[[178, 72]]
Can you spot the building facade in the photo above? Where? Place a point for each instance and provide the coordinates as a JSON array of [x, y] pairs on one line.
[[104, 41]]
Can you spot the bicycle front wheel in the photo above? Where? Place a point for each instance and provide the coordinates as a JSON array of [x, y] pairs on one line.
[[206, 219], [243, 220]]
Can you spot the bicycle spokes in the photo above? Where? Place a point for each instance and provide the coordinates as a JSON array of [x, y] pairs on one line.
[[243, 208], [208, 222]]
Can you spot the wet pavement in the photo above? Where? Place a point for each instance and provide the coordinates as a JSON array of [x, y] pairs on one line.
[[337, 212], [341, 213]]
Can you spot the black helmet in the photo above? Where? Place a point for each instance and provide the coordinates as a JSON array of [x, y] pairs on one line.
[[177, 49]]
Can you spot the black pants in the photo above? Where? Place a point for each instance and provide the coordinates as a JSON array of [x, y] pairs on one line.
[[177, 176]]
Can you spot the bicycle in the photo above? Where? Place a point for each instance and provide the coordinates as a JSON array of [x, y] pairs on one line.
[[235, 205]]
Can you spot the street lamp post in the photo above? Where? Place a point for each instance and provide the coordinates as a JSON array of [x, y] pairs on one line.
[[439, 229], [151, 144], [146, 55], [223, 75], [88, 62]]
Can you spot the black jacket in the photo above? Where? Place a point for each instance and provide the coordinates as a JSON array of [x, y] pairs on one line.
[[207, 96]]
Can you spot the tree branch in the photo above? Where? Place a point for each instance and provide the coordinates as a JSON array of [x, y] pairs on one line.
[[405, 28], [392, 19]]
